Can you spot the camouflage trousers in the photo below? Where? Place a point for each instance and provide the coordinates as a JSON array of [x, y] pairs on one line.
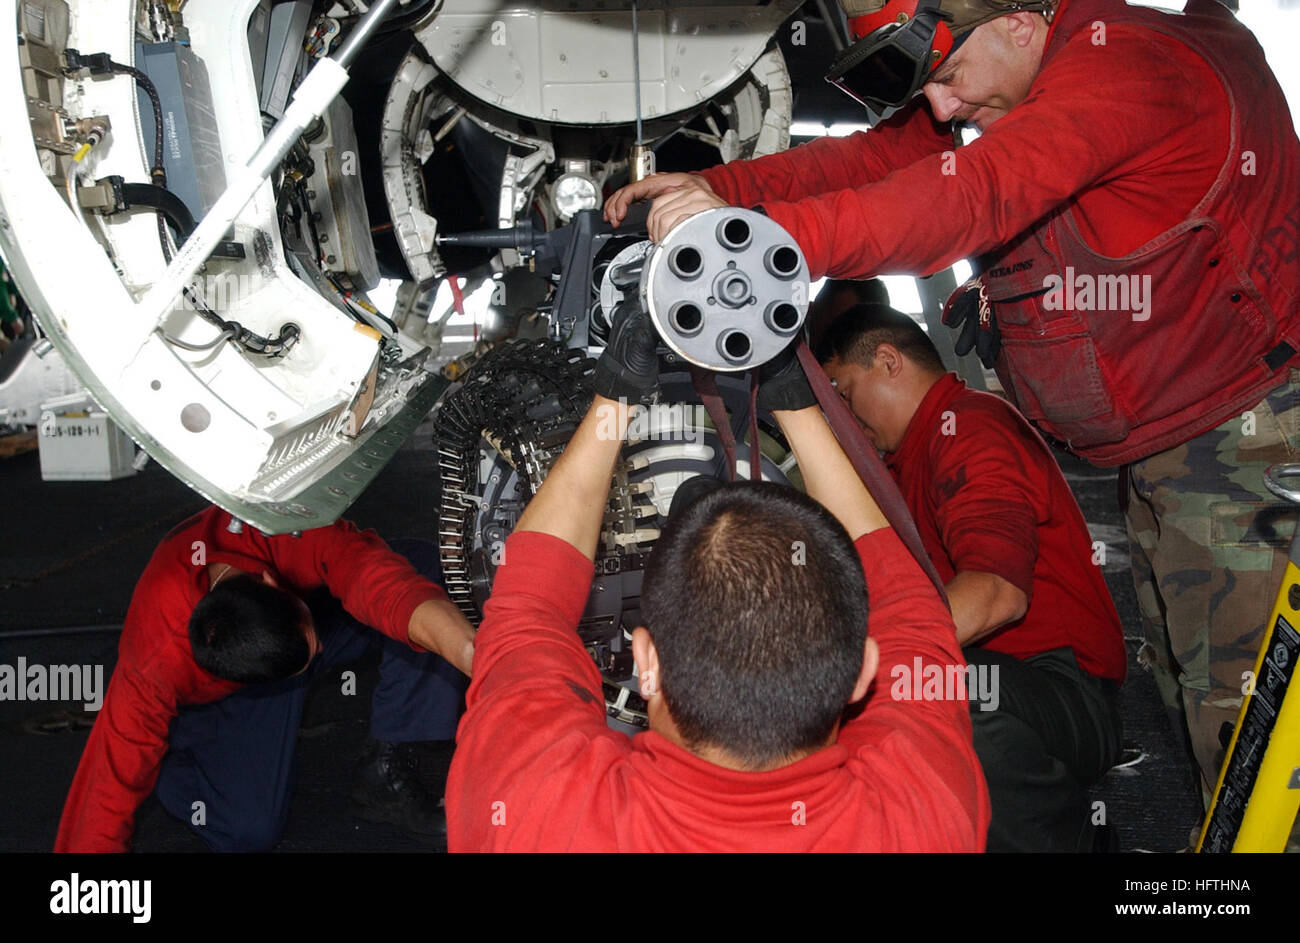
[[1209, 548]]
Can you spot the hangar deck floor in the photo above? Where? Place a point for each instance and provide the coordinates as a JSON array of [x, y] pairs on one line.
[[70, 555]]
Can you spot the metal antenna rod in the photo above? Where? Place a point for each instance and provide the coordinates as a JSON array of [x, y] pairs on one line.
[[642, 164], [636, 71]]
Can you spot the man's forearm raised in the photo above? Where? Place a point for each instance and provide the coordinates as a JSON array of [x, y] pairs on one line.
[[571, 501], [828, 475]]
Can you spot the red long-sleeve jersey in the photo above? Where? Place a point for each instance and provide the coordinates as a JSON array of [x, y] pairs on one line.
[[987, 496], [156, 673], [538, 769]]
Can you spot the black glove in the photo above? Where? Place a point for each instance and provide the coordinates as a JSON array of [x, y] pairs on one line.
[[629, 367], [782, 383], [969, 313]]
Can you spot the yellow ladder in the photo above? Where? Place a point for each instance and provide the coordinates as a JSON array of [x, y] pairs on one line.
[[1258, 793]]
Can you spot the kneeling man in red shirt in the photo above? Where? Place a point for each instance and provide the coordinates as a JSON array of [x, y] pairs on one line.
[[756, 639], [1004, 531]]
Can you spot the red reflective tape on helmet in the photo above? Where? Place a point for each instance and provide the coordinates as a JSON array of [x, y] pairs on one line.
[[943, 44], [898, 13], [894, 12]]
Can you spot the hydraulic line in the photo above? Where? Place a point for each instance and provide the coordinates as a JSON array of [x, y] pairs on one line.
[[169, 207], [165, 202]]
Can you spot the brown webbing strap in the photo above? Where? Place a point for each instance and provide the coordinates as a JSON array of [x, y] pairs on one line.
[[868, 465], [707, 389], [875, 476]]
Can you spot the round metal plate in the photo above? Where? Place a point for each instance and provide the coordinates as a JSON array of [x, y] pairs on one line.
[[727, 289]]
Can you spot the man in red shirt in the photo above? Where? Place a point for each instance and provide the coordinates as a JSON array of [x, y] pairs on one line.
[[1132, 205], [1007, 537], [756, 639], [213, 667]]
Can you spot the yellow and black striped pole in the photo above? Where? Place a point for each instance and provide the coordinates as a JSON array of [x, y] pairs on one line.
[[1258, 792]]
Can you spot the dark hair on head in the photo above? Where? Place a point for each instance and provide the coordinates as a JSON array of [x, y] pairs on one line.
[[248, 632], [755, 599], [864, 291], [854, 336]]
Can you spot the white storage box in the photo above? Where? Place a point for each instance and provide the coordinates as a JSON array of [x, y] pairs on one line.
[[78, 442]]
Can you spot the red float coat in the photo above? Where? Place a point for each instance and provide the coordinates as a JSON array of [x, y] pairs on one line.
[[1152, 147]]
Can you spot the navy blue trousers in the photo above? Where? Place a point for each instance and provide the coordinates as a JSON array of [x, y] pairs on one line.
[[236, 756]]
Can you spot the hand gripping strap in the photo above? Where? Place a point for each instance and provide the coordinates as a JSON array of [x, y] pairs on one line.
[[707, 389]]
